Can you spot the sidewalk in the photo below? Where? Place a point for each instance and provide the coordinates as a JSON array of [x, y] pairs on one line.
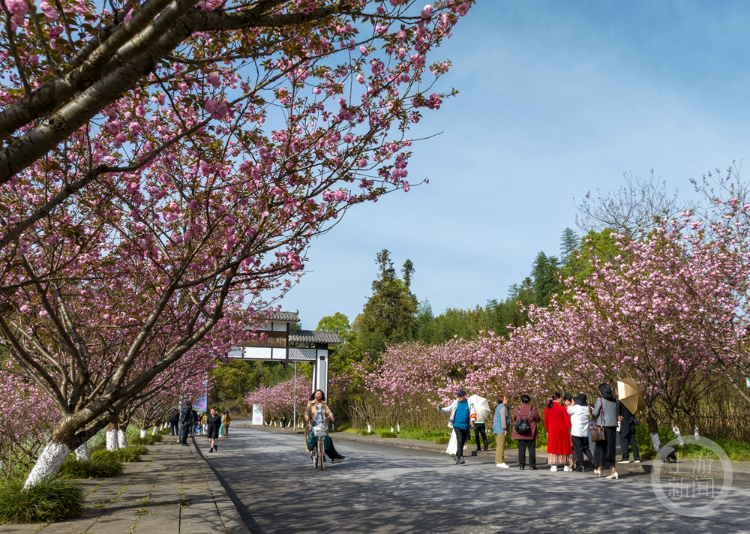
[[740, 470], [171, 491]]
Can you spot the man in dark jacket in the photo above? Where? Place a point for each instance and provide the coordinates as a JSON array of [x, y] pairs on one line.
[[627, 434], [186, 421], [174, 423]]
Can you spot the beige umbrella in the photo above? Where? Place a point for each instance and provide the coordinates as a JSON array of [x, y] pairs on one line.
[[631, 395]]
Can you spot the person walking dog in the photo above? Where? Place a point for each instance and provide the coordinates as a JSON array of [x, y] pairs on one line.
[[463, 414], [500, 427]]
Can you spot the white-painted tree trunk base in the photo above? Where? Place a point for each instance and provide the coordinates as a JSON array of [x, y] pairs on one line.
[[398, 427], [154, 431], [696, 433], [677, 433], [391, 429], [369, 427], [143, 432], [656, 441], [48, 464], [122, 439], [82, 452], [112, 440]]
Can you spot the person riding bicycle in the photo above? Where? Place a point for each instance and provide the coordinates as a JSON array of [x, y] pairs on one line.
[[316, 412]]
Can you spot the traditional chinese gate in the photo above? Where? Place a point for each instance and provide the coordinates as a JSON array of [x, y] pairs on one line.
[[283, 344]]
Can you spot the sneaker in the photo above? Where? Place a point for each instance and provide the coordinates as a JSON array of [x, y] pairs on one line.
[[503, 466], [210, 451], [624, 462], [567, 468], [455, 459], [636, 461], [534, 468], [184, 444], [462, 461], [522, 467], [553, 468]]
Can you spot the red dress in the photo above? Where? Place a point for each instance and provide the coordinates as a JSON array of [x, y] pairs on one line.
[[557, 424]]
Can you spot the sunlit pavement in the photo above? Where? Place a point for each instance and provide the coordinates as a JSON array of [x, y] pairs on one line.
[[384, 489]]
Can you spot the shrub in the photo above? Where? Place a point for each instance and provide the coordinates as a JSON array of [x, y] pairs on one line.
[[443, 440], [366, 433], [51, 500], [140, 441], [128, 454], [98, 466], [388, 435]]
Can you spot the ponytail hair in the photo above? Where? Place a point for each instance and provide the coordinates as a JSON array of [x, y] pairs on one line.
[[552, 400]]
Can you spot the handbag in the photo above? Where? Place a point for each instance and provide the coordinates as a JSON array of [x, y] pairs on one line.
[[597, 432], [523, 426]]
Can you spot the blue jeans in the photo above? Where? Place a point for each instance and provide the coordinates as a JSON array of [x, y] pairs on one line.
[[174, 428]]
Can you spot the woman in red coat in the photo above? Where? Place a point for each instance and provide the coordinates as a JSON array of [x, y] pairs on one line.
[[557, 424]]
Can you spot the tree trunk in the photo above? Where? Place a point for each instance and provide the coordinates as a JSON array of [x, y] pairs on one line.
[[122, 439], [112, 437], [143, 432], [154, 431], [82, 452], [48, 463]]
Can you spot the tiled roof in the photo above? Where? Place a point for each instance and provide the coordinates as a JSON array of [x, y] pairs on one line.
[[313, 336], [289, 317]]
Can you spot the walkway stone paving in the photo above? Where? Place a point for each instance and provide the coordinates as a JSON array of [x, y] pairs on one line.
[[172, 490]]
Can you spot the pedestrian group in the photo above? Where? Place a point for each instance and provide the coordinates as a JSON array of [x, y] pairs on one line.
[[570, 422]]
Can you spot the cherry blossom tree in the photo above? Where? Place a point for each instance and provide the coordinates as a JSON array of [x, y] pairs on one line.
[[280, 400], [27, 416], [160, 219]]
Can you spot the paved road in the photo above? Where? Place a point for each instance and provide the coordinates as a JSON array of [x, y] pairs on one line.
[[383, 489]]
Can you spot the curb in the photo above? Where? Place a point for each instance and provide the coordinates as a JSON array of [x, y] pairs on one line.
[[230, 516]]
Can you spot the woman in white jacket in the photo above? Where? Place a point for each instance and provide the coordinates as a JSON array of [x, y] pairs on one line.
[[463, 414]]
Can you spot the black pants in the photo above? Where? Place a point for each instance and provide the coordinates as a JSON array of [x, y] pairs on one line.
[[523, 445], [627, 437], [185, 432], [174, 428], [479, 429], [581, 446], [331, 452], [604, 456], [461, 437]]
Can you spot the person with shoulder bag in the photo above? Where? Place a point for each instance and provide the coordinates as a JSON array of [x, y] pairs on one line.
[[605, 415], [525, 432]]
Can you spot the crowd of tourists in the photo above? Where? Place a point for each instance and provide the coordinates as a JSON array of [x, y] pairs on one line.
[[188, 422], [571, 424]]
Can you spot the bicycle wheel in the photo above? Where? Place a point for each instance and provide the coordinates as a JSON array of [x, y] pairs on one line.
[[321, 452]]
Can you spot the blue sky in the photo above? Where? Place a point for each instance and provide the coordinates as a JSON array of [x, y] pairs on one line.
[[556, 99]]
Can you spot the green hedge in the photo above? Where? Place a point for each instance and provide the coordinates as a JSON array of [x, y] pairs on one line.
[[51, 500], [98, 466], [128, 454]]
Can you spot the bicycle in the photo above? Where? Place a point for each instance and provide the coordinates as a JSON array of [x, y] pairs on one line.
[[317, 454]]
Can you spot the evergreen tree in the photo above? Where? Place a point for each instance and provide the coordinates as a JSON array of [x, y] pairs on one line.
[[545, 276], [569, 242], [390, 314]]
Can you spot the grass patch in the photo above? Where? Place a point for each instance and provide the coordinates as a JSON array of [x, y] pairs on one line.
[[442, 440], [98, 466], [148, 440], [128, 454], [366, 433], [51, 500], [388, 435]]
